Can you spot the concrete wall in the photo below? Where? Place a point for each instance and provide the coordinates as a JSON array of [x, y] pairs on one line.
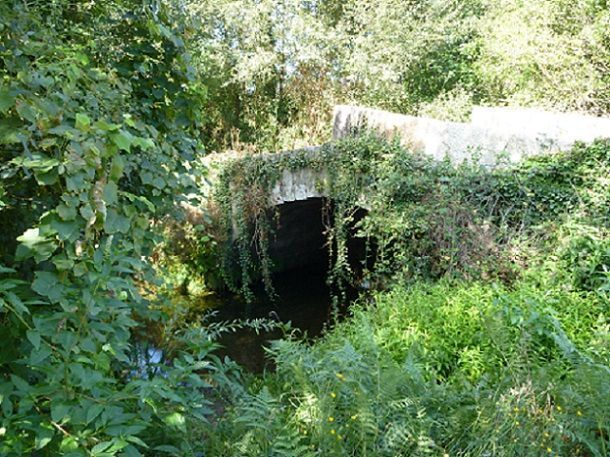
[[298, 185], [495, 134], [563, 128]]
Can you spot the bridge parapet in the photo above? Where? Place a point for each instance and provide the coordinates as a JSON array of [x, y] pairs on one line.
[[494, 135]]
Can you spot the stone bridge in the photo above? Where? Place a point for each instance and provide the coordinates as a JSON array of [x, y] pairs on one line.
[[495, 136]]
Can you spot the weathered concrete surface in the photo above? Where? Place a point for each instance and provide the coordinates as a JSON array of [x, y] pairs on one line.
[[299, 184], [563, 128], [496, 135], [293, 186]]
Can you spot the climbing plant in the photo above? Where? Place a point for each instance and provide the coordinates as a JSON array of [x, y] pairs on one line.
[[424, 218], [243, 194], [506, 354]]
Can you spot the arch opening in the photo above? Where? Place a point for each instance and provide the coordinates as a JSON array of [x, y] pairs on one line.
[[299, 250], [300, 239]]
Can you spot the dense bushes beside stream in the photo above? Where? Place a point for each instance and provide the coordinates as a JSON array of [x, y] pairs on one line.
[[450, 368]]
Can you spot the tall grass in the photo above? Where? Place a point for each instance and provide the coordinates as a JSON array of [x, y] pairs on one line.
[[450, 368]]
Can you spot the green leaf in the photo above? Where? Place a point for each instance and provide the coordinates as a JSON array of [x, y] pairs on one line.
[[82, 122], [34, 338], [65, 229], [175, 420], [167, 448], [31, 237], [26, 111], [146, 177], [106, 126], [62, 263], [110, 193], [122, 139], [101, 447], [119, 443], [159, 182], [20, 384], [132, 198], [76, 182], [37, 162], [34, 245], [59, 410], [136, 440], [37, 356], [93, 412], [17, 304], [82, 58], [6, 99], [43, 437], [9, 130], [116, 168], [144, 143], [87, 213], [116, 223], [46, 284], [129, 120], [67, 213], [40, 252]]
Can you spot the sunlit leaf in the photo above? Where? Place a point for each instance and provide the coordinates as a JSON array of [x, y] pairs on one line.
[[82, 122]]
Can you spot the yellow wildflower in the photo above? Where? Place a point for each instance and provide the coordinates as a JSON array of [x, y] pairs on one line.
[[331, 419], [332, 394], [332, 431], [579, 413]]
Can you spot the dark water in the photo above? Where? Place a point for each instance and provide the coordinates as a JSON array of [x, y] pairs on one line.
[[303, 299], [299, 249]]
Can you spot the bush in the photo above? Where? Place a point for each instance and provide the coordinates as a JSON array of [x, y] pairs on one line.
[[455, 358], [98, 118]]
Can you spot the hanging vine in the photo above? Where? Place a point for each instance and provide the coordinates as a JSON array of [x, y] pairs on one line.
[[243, 194], [426, 218]]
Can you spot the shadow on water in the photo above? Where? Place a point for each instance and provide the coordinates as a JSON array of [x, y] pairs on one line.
[[303, 299], [299, 250]]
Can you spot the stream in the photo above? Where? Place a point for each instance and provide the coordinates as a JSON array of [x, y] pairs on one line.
[[304, 299]]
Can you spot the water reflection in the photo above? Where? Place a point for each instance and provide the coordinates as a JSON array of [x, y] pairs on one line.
[[304, 300]]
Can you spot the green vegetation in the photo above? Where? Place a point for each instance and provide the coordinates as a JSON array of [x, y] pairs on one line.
[[486, 332], [92, 148], [492, 338], [276, 68], [451, 368]]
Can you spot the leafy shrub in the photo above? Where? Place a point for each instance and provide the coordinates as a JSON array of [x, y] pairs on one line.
[[98, 118], [586, 256], [450, 361]]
